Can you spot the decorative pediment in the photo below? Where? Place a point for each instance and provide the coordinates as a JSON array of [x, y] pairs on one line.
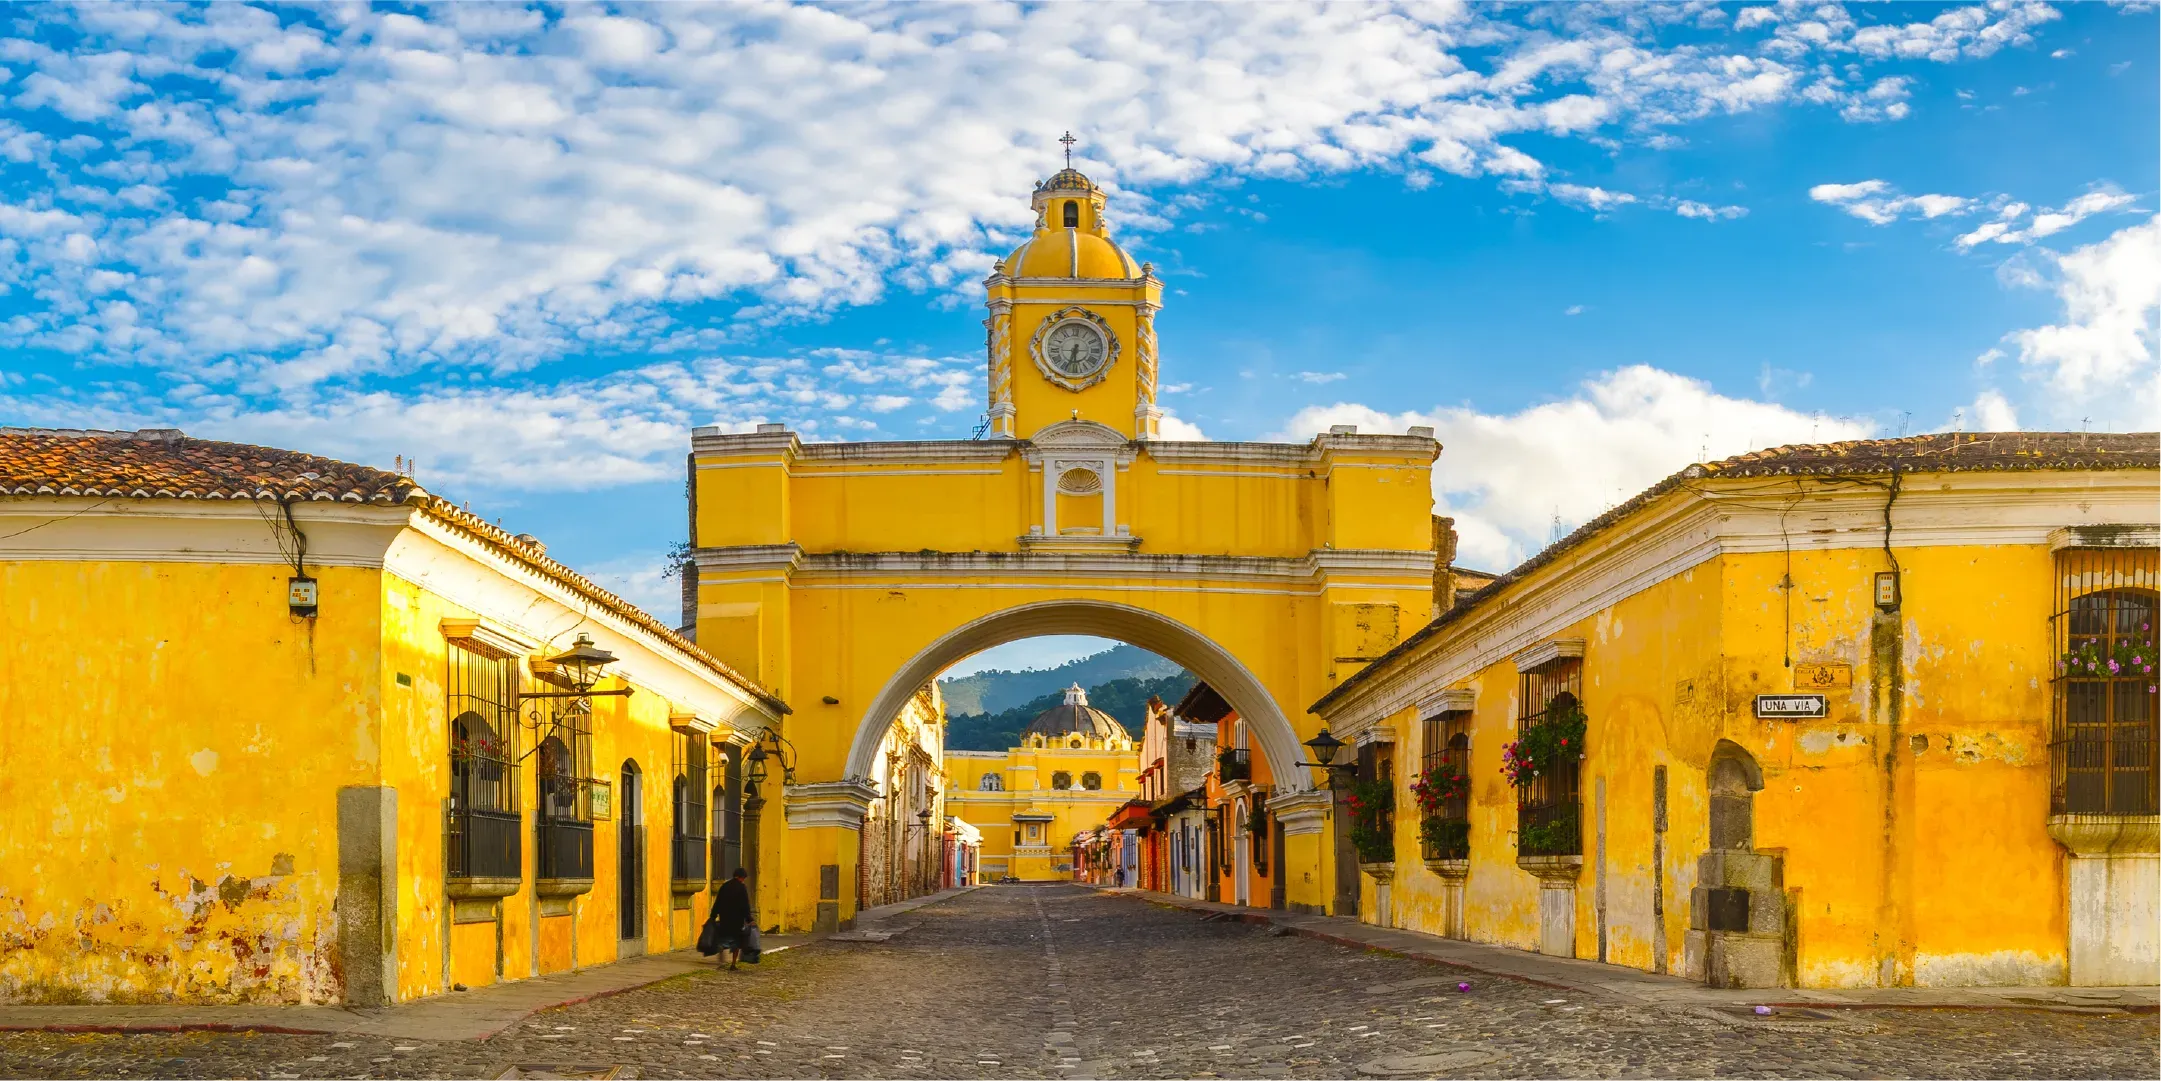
[[1457, 700], [1078, 436], [1547, 651]]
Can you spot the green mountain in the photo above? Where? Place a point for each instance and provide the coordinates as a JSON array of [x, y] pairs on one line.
[[1125, 699], [996, 690]]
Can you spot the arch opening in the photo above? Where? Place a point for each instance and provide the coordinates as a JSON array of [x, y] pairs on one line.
[[1264, 718]]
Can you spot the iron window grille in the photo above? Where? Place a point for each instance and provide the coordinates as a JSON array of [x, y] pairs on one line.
[[693, 756], [482, 830], [1549, 811], [1234, 764], [1445, 746], [563, 766], [2103, 717], [727, 815]]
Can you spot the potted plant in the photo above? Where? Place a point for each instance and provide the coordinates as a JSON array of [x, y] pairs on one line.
[[1444, 839], [1372, 804]]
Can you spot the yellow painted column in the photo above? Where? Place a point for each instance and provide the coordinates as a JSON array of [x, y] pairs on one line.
[[822, 848], [1306, 873]]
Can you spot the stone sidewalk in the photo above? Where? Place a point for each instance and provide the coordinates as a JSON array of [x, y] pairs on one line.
[[1648, 988], [459, 1015]]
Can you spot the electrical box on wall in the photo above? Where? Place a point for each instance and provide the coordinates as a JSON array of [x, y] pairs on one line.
[[300, 596], [1887, 590]]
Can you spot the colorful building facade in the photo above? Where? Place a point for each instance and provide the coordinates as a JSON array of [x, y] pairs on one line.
[[290, 730], [1076, 764], [1860, 715]]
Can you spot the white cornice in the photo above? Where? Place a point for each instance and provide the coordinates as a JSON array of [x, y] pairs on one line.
[[2123, 536], [828, 803], [1543, 652], [1316, 568], [784, 558], [488, 636], [1686, 527], [1454, 700], [112, 529]]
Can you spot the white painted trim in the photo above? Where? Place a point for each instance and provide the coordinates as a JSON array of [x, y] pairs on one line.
[[822, 474], [828, 803], [1234, 475], [1375, 733], [1456, 700], [490, 637], [1548, 651], [1302, 812], [2126, 536]]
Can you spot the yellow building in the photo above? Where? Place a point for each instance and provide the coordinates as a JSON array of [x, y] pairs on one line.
[[844, 576], [1075, 765], [1839, 716], [285, 729]]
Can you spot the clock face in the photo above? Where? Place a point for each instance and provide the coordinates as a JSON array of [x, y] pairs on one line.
[[1076, 350]]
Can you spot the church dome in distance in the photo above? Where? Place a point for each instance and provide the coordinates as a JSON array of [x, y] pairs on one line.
[[1067, 179], [1075, 717]]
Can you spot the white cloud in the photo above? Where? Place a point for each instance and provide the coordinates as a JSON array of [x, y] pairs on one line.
[[1878, 203], [1505, 476], [493, 186], [1592, 198], [1172, 427], [1573, 309], [2099, 361], [643, 580], [1320, 377], [1689, 208], [2101, 200]]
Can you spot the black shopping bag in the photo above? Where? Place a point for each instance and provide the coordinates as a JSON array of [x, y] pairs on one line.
[[752, 951], [709, 939]]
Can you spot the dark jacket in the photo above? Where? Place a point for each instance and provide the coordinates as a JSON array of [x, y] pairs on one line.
[[731, 905]]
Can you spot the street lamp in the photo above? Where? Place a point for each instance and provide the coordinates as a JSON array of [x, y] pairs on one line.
[[584, 661], [1325, 749]]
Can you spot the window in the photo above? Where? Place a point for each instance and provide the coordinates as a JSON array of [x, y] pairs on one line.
[[1444, 832], [687, 852], [2103, 731], [993, 783], [1092, 781], [1072, 214], [1061, 780], [482, 834], [564, 761], [1257, 834], [1549, 811]]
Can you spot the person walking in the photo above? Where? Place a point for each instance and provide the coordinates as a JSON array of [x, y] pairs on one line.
[[731, 913]]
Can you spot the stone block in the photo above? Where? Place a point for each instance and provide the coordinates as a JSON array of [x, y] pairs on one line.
[[1699, 908], [1744, 961], [1767, 913], [1728, 909], [1752, 871]]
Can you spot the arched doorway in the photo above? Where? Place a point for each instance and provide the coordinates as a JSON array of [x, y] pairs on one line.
[[630, 858]]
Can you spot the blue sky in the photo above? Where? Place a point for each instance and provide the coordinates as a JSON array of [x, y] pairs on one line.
[[531, 248]]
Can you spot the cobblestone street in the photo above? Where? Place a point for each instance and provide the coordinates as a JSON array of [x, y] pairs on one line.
[[1062, 982]]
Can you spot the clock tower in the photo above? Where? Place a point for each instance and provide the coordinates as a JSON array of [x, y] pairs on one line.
[[1072, 322]]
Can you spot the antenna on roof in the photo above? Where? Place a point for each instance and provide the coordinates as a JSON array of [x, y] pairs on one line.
[[1555, 533], [1958, 417], [1902, 415]]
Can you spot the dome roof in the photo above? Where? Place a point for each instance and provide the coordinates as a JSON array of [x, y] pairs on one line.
[[1075, 717], [1067, 179], [1070, 253]]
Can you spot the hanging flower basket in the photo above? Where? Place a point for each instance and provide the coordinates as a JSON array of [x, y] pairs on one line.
[[1543, 746]]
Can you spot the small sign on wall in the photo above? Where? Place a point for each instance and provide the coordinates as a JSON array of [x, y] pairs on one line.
[[1789, 706], [603, 796], [1822, 676]]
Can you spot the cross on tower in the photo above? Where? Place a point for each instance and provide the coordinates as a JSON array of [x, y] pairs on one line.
[[1068, 140]]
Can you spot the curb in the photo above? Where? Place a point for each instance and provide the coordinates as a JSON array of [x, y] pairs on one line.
[[1265, 918]]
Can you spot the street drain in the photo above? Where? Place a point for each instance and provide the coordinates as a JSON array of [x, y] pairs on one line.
[[1428, 1065], [559, 1071]]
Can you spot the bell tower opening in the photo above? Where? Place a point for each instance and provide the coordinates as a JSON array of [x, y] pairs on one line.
[[1072, 214]]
